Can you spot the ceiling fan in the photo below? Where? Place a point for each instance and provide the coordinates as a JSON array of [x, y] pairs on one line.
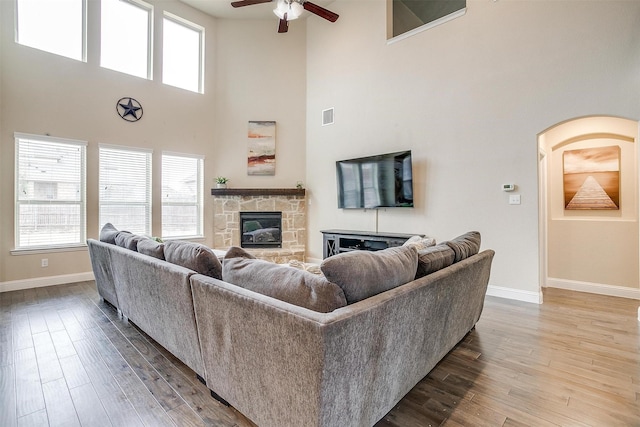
[[288, 10]]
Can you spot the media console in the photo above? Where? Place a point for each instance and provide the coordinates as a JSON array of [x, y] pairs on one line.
[[338, 241]]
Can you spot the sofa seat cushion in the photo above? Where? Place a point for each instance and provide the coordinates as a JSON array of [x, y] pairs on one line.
[[434, 258], [193, 256], [129, 240], [465, 245], [151, 247], [108, 233], [362, 274], [282, 282]]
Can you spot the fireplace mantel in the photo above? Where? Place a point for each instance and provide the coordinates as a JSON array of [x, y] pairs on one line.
[[257, 191]]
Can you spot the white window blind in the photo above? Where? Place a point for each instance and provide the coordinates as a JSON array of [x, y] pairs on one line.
[[57, 27], [182, 195], [182, 53], [126, 32], [125, 188], [50, 192]]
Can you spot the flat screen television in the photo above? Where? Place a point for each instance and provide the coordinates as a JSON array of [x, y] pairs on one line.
[[381, 181]]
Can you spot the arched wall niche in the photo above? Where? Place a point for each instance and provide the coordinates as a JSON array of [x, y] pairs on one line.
[[590, 250]]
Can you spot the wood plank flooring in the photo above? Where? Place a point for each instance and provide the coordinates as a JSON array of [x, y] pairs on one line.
[[66, 359]]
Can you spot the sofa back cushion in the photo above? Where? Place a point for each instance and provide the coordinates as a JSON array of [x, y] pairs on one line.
[[362, 274], [128, 240], [465, 245], [434, 258], [193, 256], [108, 233], [282, 282], [151, 247]]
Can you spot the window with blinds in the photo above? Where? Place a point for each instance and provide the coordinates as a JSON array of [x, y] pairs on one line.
[[182, 196], [50, 192], [125, 188]]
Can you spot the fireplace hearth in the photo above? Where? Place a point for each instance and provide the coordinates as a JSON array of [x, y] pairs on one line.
[[261, 229]]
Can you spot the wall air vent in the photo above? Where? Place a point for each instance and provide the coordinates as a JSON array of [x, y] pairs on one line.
[[327, 116]]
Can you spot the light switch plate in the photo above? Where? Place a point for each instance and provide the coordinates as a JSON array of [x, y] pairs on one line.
[[514, 199]]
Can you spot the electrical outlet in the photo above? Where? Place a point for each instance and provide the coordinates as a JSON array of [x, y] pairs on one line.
[[45, 262]]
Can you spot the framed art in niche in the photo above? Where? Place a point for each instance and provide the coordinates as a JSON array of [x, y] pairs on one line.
[[591, 178]]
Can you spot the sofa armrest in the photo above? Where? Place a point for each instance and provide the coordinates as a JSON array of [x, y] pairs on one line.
[[100, 256]]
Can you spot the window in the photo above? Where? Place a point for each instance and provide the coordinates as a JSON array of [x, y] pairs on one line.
[[50, 192], [54, 26], [410, 17], [182, 195], [126, 37], [182, 54], [125, 188]]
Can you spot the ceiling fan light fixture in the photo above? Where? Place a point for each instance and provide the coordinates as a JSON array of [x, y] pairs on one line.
[[292, 9], [296, 9]]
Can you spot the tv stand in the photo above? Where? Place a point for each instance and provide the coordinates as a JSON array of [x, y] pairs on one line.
[[339, 241]]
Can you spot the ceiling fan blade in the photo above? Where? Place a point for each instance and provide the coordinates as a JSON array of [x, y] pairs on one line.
[[241, 3], [320, 11], [283, 27]]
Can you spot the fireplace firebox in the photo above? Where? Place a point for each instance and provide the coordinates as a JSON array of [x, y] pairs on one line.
[[261, 229]]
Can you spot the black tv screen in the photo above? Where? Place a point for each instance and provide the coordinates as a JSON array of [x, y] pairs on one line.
[[381, 181]]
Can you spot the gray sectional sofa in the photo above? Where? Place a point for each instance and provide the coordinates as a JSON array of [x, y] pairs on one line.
[[287, 348]]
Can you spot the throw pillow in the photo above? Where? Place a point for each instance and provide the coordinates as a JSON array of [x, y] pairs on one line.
[[434, 258], [151, 247], [129, 240], [287, 284], [108, 233], [362, 274], [307, 266], [420, 242], [465, 245], [193, 256]]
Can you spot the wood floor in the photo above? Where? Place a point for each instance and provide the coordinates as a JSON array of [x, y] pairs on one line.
[[67, 359]]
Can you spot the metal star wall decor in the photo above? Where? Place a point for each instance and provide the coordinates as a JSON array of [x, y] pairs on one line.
[[129, 109]]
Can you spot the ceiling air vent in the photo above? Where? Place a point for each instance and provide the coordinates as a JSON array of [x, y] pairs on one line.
[[327, 117]]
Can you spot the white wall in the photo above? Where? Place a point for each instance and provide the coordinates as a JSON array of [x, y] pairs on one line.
[[245, 75], [260, 75], [469, 98]]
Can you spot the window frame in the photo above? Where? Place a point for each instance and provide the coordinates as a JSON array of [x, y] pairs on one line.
[[201, 48], [150, 41], [200, 196], [148, 202], [83, 53], [82, 203]]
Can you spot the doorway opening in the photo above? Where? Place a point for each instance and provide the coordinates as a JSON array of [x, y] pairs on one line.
[[588, 206]]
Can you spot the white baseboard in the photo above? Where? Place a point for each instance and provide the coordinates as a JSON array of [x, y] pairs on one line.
[[515, 294], [594, 288], [38, 282]]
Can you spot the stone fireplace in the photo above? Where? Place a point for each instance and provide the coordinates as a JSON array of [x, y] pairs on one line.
[[289, 203]]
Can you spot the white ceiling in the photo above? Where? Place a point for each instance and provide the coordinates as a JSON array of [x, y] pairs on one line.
[[223, 9]]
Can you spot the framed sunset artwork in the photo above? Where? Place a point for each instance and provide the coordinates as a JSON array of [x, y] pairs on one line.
[[591, 178]]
